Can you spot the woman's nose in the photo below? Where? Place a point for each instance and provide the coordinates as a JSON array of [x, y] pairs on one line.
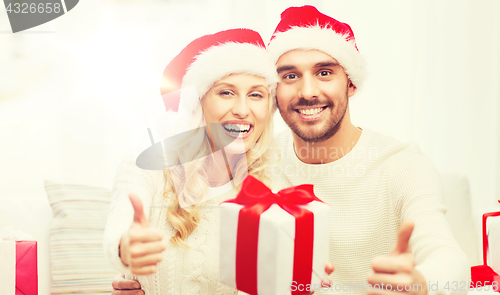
[[240, 108]]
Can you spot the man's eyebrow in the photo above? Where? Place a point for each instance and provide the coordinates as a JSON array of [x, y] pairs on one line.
[[285, 68], [326, 64]]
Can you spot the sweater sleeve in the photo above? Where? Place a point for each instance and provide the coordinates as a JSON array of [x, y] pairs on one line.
[[417, 188], [129, 179]]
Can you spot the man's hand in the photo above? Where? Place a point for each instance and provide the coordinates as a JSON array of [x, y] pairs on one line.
[[122, 286], [326, 283], [395, 272], [141, 247]]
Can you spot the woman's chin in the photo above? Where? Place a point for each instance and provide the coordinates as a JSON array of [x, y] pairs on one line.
[[236, 147]]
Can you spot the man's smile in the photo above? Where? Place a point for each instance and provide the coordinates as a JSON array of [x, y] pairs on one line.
[[310, 112]]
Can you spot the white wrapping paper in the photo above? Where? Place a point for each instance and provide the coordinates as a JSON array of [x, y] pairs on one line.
[[275, 247], [493, 230], [7, 267], [8, 238]]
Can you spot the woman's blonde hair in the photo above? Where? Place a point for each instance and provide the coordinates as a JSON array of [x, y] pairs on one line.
[[191, 179]]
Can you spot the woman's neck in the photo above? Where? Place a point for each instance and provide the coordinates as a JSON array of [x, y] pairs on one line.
[[220, 167]]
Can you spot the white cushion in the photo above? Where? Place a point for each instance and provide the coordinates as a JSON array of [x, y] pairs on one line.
[[76, 234]]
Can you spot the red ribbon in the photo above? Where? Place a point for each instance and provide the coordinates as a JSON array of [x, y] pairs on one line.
[[483, 275], [485, 235], [257, 198]]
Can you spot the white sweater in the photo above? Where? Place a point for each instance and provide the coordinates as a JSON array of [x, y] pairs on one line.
[[195, 271], [379, 184]]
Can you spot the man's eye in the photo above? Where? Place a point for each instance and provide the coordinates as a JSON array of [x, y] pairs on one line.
[[324, 73], [290, 76]]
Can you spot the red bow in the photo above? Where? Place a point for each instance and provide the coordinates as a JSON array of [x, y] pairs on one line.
[[257, 198], [483, 275]]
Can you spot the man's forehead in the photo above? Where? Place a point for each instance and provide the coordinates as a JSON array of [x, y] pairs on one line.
[[304, 58]]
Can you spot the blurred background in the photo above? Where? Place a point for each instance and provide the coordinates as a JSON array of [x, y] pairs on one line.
[[69, 88]]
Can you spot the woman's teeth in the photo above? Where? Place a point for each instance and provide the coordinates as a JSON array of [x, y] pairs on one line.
[[310, 112], [237, 128]]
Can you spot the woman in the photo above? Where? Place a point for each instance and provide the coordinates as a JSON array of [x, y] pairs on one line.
[[173, 243]]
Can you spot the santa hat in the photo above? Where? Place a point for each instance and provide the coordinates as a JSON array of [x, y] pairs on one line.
[[307, 28], [204, 61], [213, 57]]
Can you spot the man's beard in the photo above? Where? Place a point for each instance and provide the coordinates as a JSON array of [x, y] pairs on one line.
[[309, 133]]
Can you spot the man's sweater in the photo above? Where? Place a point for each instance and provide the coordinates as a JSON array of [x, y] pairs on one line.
[[373, 189]]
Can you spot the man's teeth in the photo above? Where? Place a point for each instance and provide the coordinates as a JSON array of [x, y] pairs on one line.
[[237, 127], [310, 111]]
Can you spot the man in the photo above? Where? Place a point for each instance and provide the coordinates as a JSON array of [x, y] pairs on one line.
[[382, 191], [387, 228]]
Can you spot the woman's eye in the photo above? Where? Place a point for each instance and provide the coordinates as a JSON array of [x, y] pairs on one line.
[[224, 93], [324, 73], [256, 95]]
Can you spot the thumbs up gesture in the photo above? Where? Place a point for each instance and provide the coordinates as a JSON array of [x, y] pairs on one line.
[[141, 247], [396, 272]]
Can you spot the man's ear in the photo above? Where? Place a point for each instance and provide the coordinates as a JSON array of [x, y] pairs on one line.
[[351, 88]]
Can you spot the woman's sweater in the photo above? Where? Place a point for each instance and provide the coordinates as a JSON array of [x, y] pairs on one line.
[[193, 271]]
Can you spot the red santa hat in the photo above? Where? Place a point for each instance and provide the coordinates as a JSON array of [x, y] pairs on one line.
[[307, 28], [210, 58]]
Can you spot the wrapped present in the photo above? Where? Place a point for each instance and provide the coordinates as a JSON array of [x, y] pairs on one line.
[[18, 267], [488, 273], [274, 243]]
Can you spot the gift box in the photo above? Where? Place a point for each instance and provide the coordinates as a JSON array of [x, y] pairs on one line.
[[487, 274], [274, 243], [18, 267]]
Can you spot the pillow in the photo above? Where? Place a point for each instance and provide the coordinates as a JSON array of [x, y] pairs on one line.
[[76, 234]]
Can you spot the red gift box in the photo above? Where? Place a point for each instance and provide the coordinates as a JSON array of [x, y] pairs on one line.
[[272, 242], [18, 268], [484, 275]]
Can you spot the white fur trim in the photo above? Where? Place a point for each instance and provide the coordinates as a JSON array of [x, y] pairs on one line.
[[323, 39], [220, 61]]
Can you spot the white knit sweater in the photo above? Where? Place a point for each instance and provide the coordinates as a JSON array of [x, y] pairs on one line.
[[193, 271], [379, 184]]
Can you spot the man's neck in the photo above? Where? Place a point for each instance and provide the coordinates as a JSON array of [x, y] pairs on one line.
[[330, 150]]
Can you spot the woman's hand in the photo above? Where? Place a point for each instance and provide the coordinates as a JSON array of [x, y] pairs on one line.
[[123, 286], [141, 247], [325, 282]]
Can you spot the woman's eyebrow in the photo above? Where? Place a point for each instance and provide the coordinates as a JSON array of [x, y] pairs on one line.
[[225, 84], [258, 86]]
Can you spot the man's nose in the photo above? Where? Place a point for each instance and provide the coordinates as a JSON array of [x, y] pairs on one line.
[[240, 107], [309, 88]]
